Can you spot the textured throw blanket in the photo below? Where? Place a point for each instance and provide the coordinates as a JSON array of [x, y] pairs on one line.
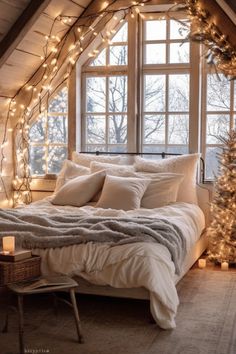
[[50, 231]]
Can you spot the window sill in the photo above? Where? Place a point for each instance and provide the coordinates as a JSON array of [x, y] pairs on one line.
[[43, 184]]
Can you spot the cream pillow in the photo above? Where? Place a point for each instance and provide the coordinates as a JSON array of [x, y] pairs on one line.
[[122, 193], [79, 190], [85, 159], [69, 170], [162, 190], [111, 169], [184, 164]]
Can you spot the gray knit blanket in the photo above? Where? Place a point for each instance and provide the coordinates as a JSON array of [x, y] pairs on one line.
[[57, 230]]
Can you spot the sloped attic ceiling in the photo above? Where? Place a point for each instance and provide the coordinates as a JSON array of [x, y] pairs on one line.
[[23, 26]]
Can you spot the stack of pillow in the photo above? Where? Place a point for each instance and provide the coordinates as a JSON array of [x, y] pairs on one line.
[[107, 182]]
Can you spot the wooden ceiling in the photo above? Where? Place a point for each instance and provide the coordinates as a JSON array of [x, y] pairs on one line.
[[10, 11], [23, 27]]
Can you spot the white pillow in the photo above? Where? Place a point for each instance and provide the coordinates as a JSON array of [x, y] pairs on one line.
[[79, 190], [185, 164], [85, 159], [162, 190], [69, 170], [111, 169], [122, 193]]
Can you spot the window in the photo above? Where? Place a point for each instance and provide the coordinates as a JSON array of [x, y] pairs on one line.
[[48, 137], [166, 90], [219, 115], [145, 92], [105, 101]]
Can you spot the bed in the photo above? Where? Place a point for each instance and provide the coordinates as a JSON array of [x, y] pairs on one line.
[[143, 270]]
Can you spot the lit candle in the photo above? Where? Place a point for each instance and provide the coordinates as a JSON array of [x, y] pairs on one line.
[[224, 265], [202, 263], [8, 244]]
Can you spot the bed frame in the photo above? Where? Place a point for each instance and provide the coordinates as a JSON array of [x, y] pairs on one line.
[[203, 195]]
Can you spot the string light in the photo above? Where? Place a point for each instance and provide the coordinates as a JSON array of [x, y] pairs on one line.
[[52, 61], [222, 231], [220, 52], [72, 44]]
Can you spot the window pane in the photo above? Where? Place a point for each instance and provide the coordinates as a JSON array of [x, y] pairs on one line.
[[217, 125], [121, 35], [155, 30], [118, 94], [218, 93], [179, 52], [96, 94], [179, 92], [96, 130], [154, 149], [100, 60], [59, 103], [154, 129], [37, 160], [211, 162], [57, 129], [118, 129], [178, 129], [117, 148], [56, 156], [37, 131], [178, 30], [177, 149], [96, 148], [118, 55], [155, 53], [154, 93]]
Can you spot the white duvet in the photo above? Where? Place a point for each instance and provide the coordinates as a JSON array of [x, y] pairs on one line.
[[126, 266]]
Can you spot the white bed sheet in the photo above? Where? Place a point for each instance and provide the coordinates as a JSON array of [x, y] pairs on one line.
[[126, 266]]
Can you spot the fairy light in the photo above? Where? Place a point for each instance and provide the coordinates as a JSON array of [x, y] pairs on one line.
[[222, 230], [54, 49], [220, 52]]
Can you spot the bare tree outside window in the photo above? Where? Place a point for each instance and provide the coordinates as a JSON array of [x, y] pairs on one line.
[[166, 73], [106, 97], [219, 118]]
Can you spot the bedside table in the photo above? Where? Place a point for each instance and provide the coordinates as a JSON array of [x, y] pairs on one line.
[[54, 284]]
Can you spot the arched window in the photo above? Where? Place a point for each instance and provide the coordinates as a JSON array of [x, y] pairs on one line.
[[48, 136]]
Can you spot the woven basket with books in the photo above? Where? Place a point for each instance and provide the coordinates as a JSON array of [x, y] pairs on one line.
[[11, 272]]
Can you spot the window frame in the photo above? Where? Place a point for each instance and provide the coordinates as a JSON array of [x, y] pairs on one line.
[[206, 69], [197, 90], [192, 68], [104, 71]]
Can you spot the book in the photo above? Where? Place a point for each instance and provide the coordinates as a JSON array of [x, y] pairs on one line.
[[16, 256], [43, 283]]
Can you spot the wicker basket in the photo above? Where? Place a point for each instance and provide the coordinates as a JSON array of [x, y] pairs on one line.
[[11, 272]]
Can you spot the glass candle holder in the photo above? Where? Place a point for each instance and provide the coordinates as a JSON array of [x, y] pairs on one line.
[[8, 244], [202, 263]]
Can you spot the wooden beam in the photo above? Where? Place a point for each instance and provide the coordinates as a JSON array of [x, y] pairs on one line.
[[20, 28]]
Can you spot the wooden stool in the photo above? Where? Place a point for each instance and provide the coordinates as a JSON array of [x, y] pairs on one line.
[[55, 284]]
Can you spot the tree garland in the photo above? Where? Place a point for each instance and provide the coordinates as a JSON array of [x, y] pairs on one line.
[[220, 51]]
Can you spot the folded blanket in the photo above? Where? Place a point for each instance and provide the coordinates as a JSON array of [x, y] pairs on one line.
[[51, 231]]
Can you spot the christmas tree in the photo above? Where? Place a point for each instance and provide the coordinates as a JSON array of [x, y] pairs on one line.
[[222, 230]]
